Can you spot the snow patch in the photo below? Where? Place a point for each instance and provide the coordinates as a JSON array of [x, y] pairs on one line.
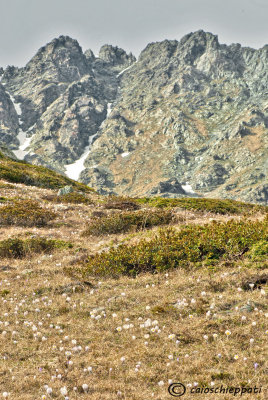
[[125, 154], [109, 109], [188, 188], [74, 170], [126, 69], [24, 141], [16, 105]]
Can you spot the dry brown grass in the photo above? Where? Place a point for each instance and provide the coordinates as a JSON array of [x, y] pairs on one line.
[[39, 290]]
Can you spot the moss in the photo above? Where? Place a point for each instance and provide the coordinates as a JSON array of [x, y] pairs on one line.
[[19, 248], [25, 213]]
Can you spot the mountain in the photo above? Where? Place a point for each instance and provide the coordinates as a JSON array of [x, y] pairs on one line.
[[189, 117]]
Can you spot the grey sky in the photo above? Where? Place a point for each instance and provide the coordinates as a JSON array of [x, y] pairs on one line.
[[26, 25]]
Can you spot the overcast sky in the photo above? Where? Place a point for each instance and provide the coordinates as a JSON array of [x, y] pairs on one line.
[[26, 25]]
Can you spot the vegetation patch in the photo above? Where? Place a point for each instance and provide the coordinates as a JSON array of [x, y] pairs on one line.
[[121, 203], [20, 248], [127, 221], [207, 205], [6, 185], [170, 249], [25, 213], [22, 172], [73, 198]]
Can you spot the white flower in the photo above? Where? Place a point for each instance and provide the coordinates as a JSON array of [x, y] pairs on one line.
[[123, 359], [251, 340], [119, 329], [236, 357], [49, 390], [85, 387], [64, 391], [227, 333], [160, 383], [5, 395], [243, 318], [172, 336]]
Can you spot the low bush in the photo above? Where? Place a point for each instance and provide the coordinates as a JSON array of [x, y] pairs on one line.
[[171, 249], [207, 205], [70, 198], [25, 213], [19, 248], [127, 221], [259, 251], [73, 198], [121, 203]]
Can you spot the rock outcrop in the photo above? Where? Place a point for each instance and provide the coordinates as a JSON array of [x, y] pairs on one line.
[[191, 111]]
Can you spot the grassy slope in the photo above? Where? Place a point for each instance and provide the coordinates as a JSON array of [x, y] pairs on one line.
[[48, 289], [22, 172]]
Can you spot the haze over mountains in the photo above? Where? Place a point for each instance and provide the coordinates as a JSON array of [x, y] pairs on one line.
[[187, 116]]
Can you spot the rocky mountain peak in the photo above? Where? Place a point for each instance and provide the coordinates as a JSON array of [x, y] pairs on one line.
[[189, 118], [63, 54], [115, 56]]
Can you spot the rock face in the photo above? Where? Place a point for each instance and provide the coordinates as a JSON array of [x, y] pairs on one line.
[[192, 111]]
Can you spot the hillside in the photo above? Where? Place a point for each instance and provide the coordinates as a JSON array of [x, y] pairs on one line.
[[186, 118], [116, 298]]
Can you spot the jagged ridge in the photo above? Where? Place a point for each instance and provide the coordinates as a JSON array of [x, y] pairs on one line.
[[188, 116]]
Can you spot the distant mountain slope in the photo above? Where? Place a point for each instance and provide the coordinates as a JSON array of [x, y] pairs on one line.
[[187, 118]]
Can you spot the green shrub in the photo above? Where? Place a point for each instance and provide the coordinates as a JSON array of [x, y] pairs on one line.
[[19, 248], [120, 203], [25, 213], [73, 198], [171, 249], [206, 205], [259, 251], [124, 222]]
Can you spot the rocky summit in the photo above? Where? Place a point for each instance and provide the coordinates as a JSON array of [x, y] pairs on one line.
[[188, 118]]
